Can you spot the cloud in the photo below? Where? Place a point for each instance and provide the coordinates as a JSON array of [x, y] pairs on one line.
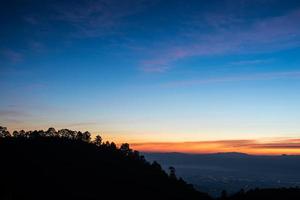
[[229, 35], [31, 20], [277, 146], [280, 144], [97, 18], [250, 62], [79, 124], [37, 46], [12, 121], [252, 77], [12, 113], [12, 55]]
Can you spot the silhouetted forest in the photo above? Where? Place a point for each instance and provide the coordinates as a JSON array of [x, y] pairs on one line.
[[67, 164]]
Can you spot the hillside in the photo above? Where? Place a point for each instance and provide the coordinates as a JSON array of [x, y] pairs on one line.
[[68, 165]]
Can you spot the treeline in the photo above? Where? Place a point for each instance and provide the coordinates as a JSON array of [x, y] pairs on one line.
[[67, 164], [71, 135], [78, 136], [51, 132]]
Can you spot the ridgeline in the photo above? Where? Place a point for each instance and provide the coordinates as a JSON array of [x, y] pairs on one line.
[[67, 164]]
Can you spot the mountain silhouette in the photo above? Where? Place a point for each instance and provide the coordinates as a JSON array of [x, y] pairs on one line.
[[67, 164]]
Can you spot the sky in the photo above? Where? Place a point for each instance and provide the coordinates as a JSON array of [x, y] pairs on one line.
[[164, 75]]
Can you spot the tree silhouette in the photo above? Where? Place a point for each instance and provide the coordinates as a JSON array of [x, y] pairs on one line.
[[125, 149], [113, 146], [98, 140], [16, 134], [56, 165], [4, 132], [66, 133], [172, 173], [224, 195], [86, 136], [156, 166], [51, 132], [62, 158]]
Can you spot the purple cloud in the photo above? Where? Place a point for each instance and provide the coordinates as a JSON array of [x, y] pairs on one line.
[[229, 35], [12, 55], [98, 18]]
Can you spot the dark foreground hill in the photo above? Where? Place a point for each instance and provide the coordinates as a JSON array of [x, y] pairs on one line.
[[67, 165]]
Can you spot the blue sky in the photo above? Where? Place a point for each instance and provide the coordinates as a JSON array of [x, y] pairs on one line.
[[152, 70]]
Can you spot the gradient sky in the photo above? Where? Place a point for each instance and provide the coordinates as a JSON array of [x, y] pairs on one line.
[[153, 71]]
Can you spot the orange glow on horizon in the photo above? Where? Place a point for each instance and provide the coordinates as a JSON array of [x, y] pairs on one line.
[[256, 147]]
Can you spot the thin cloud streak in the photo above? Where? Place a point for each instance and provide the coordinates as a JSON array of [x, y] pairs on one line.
[[266, 35], [253, 77], [250, 62], [80, 124], [13, 113], [97, 18], [12, 55]]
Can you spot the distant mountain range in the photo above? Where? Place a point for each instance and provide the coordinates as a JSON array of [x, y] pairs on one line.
[[232, 171]]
